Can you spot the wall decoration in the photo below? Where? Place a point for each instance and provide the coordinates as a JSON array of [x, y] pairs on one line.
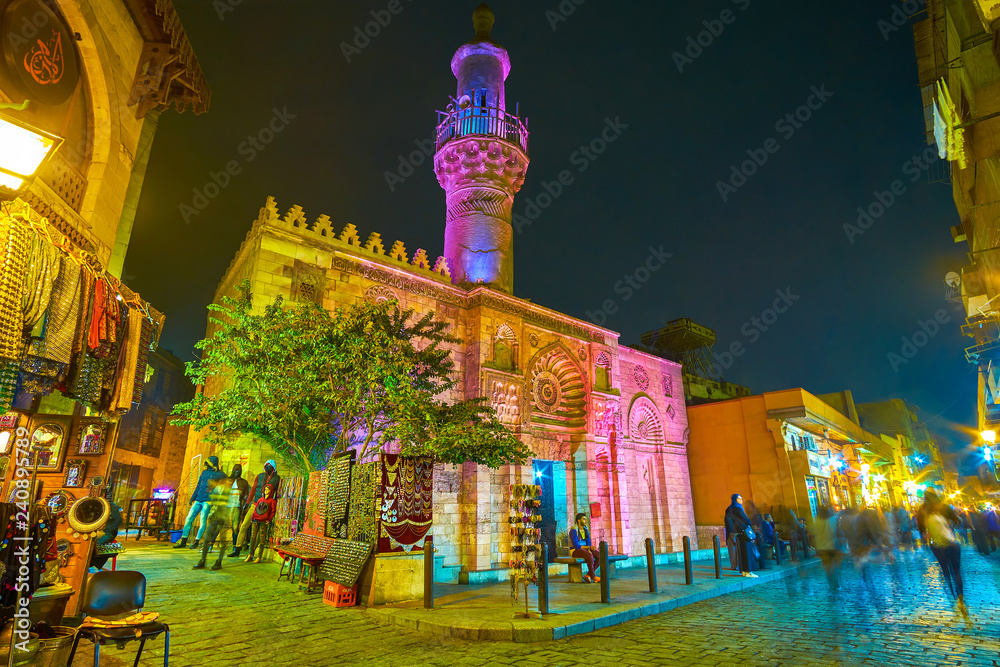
[[405, 511], [59, 502], [668, 386], [380, 294], [9, 420], [533, 339], [344, 562], [581, 354], [76, 470], [558, 391], [88, 515], [51, 433], [641, 378], [44, 66], [338, 497], [361, 517], [546, 390], [89, 437], [505, 397], [6, 441], [644, 422]]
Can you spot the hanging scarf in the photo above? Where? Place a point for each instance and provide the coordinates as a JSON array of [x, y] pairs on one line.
[[14, 248], [43, 267], [62, 318]]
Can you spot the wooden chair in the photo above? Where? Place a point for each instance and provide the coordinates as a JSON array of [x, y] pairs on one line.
[[111, 594]]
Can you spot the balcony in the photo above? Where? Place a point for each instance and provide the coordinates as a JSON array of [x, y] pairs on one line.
[[985, 329], [481, 121]]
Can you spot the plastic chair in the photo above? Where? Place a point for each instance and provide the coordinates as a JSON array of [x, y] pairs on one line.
[[111, 594]]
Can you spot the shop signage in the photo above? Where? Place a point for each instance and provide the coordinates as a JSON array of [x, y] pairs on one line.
[[39, 52], [818, 464]]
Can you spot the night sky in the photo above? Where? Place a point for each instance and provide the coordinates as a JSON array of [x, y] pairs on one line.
[[656, 184]]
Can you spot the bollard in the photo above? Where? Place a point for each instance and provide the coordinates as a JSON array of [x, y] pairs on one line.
[[762, 561], [651, 564], [718, 557], [429, 572], [605, 580], [688, 572], [543, 581], [793, 543]]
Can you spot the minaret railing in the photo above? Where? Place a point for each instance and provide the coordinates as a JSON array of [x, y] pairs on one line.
[[481, 121]]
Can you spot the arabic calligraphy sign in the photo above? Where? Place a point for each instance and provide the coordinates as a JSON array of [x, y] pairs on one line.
[[39, 51]]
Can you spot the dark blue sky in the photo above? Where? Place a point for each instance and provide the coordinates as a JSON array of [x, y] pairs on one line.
[[655, 185]]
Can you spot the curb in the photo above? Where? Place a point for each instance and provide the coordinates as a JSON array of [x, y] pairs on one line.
[[420, 621]]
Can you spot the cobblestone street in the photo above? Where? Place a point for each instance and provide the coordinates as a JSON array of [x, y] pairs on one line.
[[241, 616]]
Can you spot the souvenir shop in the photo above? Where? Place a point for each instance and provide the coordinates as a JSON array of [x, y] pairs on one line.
[[370, 521], [73, 349]]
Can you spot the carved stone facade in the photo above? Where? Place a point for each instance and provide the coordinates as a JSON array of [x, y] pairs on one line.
[[602, 421]]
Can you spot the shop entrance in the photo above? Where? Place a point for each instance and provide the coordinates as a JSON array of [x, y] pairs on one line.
[[543, 478]]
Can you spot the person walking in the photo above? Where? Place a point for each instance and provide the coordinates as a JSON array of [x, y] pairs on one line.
[[937, 522], [737, 523], [220, 521], [993, 524], [579, 537], [828, 545], [199, 502]]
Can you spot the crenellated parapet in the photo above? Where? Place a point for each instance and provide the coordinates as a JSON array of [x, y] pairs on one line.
[[322, 231]]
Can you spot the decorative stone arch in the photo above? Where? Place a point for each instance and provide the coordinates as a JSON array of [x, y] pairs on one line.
[[644, 423], [558, 388], [505, 348], [602, 372], [380, 294], [95, 66]]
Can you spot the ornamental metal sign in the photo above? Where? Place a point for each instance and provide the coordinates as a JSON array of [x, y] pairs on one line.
[[39, 52]]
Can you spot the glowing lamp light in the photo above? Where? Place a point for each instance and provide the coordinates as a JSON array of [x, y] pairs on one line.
[[989, 436], [987, 453], [23, 149], [879, 478], [910, 486], [163, 494], [865, 468]]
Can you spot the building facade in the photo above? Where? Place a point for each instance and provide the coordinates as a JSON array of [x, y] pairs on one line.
[[606, 424], [86, 79], [787, 451], [958, 63]]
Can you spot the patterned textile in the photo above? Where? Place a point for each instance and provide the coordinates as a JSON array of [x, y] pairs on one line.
[[315, 520], [105, 319], [127, 361], [40, 274], [62, 318], [145, 337], [362, 518], [14, 247], [8, 384], [406, 511], [338, 497]]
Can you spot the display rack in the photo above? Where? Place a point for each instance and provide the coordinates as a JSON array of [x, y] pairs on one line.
[[525, 501]]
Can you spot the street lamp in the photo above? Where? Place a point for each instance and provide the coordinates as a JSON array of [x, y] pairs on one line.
[[23, 150], [989, 436]]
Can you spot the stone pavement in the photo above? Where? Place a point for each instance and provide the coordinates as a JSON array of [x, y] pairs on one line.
[[241, 616]]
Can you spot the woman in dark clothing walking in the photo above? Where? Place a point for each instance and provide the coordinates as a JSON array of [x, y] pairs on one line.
[[737, 522], [937, 521]]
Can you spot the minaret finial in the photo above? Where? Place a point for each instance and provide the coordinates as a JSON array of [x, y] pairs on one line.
[[482, 21]]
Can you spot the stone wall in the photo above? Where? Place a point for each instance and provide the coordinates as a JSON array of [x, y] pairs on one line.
[[622, 446]]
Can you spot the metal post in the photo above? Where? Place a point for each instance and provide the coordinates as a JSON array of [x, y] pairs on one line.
[[762, 561], [688, 572], [777, 549], [605, 580], [718, 557], [543, 581], [429, 572], [651, 564]]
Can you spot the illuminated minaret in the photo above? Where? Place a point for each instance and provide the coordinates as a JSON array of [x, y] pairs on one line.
[[481, 160]]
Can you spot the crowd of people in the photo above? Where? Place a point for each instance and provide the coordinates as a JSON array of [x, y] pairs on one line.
[[228, 505], [868, 535]]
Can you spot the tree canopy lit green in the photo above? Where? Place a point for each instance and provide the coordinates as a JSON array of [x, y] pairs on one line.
[[314, 384]]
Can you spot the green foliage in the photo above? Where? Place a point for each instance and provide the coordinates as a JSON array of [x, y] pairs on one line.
[[314, 384]]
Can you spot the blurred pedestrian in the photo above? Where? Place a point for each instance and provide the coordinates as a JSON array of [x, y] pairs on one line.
[[738, 525], [980, 531], [828, 545], [199, 502], [220, 521], [937, 522], [904, 527], [993, 525]]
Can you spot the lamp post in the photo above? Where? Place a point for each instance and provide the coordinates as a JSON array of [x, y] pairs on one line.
[[23, 150]]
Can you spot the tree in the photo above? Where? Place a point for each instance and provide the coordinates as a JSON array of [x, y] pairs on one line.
[[315, 384]]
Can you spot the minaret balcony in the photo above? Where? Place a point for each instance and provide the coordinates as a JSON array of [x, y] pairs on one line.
[[481, 121]]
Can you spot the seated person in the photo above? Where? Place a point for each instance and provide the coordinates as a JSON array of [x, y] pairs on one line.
[[579, 536], [769, 534]]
